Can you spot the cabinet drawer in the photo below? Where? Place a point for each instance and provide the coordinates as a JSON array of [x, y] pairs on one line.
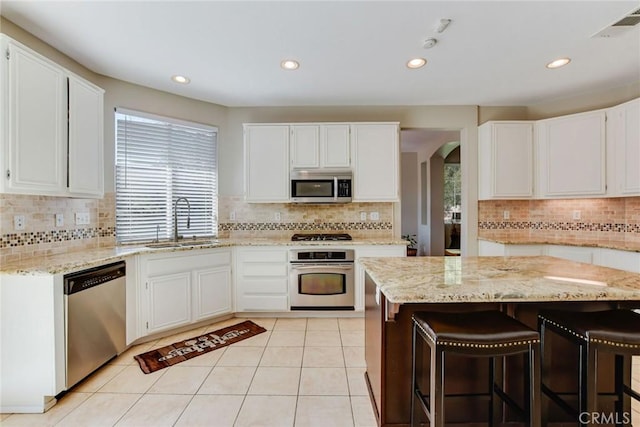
[[262, 256], [264, 286], [262, 269], [263, 303]]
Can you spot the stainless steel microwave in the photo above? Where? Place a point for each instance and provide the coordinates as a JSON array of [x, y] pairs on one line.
[[321, 186]]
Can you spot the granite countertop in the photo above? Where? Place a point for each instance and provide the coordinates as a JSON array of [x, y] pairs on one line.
[[622, 246], [79, 260], [498, 279]]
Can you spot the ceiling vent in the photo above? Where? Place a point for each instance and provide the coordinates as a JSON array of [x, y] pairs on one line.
[[620, 27]]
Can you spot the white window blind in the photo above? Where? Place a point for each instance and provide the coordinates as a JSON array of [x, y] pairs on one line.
[[159, 160]]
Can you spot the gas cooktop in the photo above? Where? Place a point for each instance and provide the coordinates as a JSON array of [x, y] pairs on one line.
[[306, 237]]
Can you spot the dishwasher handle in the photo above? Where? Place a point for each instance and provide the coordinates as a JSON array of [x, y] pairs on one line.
[[85, 279]]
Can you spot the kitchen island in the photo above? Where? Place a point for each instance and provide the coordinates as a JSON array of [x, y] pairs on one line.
[[397, 287]]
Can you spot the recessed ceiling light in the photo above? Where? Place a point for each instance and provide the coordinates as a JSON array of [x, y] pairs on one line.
[[560, 62], [290, 64], [416, 63], [181, 79]]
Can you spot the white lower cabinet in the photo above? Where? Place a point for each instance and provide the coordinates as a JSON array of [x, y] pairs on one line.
[[612, 258], [372, 251], [262, 279], [179, 288]]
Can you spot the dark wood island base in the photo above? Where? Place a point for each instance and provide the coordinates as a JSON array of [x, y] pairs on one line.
[[388, 358]]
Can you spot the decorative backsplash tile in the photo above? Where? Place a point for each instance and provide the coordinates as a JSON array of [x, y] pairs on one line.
[[601, 221], [41, 237]]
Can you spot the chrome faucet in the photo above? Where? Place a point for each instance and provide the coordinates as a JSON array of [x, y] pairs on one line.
[[176, 236]]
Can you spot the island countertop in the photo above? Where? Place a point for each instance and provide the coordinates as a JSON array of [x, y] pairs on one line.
[[498, 279]]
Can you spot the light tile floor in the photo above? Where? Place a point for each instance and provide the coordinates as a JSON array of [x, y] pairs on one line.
[[301, 372]]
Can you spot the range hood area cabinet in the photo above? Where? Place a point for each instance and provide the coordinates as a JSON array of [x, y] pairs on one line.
[[591, 154], [370, 150], [320, 146], [52, 127]]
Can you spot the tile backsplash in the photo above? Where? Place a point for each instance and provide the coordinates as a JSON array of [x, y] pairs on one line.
[[260, 219], [41, 236], [613, 221]]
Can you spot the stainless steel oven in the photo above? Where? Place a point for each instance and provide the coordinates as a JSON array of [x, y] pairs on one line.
[[321, 279]]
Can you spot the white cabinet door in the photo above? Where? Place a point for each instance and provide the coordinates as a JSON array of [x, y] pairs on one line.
[[266, 149], [320, 146], [169, 301], [375, 148], [334, 146], [623, 144], [262, 279], [305, 146], [505, 160], [572, 155], [34, 121], [86, 158], [180, 288], [212, 292]]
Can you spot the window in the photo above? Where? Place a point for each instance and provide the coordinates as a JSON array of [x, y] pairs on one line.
[[159, 160], [452, 192]]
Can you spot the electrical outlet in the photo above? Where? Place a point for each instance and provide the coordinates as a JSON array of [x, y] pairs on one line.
[[576, 215], [277, 216], [18, 222], [232, 215], [506, 214], [82, 218], [375, 216], [59, 220], [363, 216]]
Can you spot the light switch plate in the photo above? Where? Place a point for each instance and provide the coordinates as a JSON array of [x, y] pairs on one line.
[[59, 220], [375, 216], [576, 215]]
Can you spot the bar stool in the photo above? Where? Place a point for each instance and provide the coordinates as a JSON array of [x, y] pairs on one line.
[[488, 334], [610, 331]]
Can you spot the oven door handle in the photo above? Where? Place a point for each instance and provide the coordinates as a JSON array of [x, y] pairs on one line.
[[335, 188], [325, 266]]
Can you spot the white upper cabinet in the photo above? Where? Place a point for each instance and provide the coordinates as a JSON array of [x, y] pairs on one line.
[[505, 160], [305, 146], [34, 128], [86, 175], [374, 154], [320, 146], [334, 146], [623, 149], [48, 114], [266, 155], [571, 155]]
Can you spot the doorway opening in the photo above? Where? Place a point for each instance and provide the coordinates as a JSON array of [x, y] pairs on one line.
[[431, 190]]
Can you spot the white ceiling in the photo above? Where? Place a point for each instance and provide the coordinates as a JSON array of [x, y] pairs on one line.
[[351, 52]]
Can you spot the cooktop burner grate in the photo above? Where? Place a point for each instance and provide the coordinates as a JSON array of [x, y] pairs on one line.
[[306, 237]]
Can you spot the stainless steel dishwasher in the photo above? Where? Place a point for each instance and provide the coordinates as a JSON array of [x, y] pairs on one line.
[[95, 326]]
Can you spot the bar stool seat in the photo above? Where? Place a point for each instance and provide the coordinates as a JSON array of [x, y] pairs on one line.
[[489, 334], [611, 331]]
